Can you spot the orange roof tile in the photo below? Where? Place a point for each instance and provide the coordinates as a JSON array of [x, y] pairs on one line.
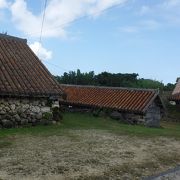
[[21, 72], [124, 99]]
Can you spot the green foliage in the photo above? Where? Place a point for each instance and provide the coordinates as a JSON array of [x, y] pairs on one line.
[[152, 84], [111, 79], [173, 113], [102, 79], [49, 102], [96, 112], [116, 80], [169, 87], [47, 116], [76, 78], [57, 115]]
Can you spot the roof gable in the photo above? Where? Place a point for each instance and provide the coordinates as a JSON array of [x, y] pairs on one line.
[[176, 92], [21, 72], [124, 99]]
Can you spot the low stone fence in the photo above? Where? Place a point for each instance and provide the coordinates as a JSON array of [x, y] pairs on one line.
[[151, 118], [128, 118], [21, 112]]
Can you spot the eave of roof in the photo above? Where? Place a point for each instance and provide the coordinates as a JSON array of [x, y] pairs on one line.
[[133, 99], [36, 95], [174, 97]]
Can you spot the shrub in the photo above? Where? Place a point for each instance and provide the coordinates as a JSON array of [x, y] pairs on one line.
[[57, 115], [47, 116], [96, 112]]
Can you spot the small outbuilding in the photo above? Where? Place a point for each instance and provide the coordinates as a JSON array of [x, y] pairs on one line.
[[140, 106], [26, 86]]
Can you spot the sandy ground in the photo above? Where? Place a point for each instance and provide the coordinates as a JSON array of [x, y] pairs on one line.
[[87, 154]]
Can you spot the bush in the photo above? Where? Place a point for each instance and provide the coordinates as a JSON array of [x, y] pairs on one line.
[[47, 116], [57, 114], [96, 112]]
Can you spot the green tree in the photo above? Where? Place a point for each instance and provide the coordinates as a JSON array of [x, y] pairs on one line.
[[111, 79]]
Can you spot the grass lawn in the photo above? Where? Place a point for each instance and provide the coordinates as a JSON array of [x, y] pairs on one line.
[[84, 121], [85, 147]]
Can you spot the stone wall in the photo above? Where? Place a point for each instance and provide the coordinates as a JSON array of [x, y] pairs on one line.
[[129, 118], [16, 112], [153, 116], [150, 119]]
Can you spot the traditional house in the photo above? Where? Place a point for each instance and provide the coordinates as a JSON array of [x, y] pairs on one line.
[[135, 105], [175, 97], [26, 86]]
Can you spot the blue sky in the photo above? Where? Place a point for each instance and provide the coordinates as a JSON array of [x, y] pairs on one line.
[[126, 36]]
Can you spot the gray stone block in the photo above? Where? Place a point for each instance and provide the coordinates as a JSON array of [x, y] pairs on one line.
[[7, 123], [116, 115]]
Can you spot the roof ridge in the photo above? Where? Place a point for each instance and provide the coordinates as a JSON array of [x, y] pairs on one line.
[[9, 37], [110, 87]]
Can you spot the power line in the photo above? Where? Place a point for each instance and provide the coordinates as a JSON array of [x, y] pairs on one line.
[[78, 19], [43, 18], [42, 24], [66, 24], [55, 65]]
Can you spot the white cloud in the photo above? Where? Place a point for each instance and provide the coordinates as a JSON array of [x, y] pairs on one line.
[[129, 29], [141, 25], [171, 3], [144, 10], [102, 5], [59, 15], [149, 24], [40, 51], [3, 4], [168, 11]]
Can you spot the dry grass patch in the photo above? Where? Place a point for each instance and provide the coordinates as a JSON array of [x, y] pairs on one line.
[[84, 147], [87, 154]]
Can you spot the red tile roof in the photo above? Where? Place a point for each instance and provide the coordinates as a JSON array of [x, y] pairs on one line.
[[124, 99], [21, 72]]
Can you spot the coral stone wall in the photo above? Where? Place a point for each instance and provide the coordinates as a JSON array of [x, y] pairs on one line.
[[16, 112]]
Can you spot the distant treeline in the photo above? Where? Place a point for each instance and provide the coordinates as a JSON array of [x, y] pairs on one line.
[[111, 79]]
